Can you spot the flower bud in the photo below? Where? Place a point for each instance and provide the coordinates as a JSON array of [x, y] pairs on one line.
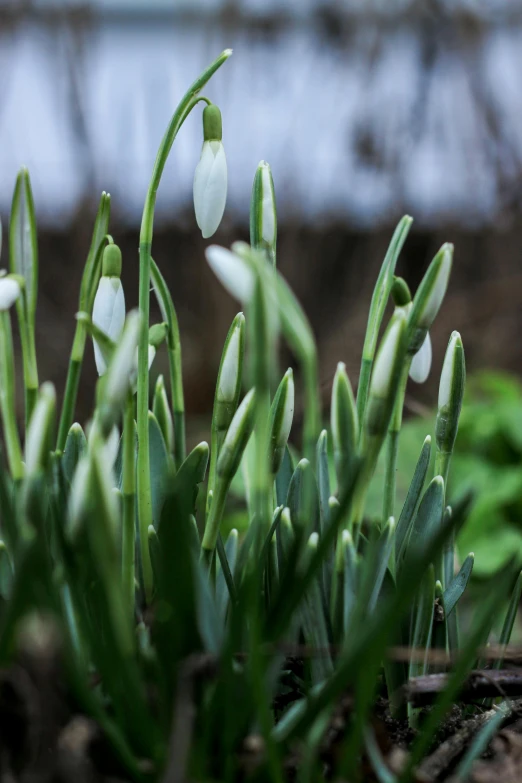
[[386, 375], [210, 178], [237, 437], [421, 362], [263, 215], [280, 421], [429, 297], [10, 290], [162, 413], [158, 334], [40, 431], [344, 424], [232, 271], [451, 392], [108, 314], [230, 373]]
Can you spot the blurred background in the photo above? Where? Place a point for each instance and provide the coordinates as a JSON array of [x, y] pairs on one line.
[[365, 109]]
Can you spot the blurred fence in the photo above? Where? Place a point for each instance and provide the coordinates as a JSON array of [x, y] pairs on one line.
[[364, 110]]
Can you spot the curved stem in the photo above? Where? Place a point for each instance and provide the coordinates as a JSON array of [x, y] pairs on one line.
[[187, 103]]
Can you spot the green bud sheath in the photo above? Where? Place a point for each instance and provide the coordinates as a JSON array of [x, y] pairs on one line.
[[212, 125], [111, 264], [451, 393], [237, 437], [344, 424], [400, 292], [280, 422], [158, 334]]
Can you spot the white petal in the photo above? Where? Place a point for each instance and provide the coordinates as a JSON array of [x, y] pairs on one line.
[[421, 362], [108, 314], [9, 292], [232, 271], [210, 187]]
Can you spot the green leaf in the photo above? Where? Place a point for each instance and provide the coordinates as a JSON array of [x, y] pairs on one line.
[[75, 448], [160, 469], [189, 476], [23, 245], [456, 589], [284, 477], [407, 516]]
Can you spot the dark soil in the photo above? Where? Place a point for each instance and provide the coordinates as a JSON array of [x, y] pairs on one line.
[[44, 738]]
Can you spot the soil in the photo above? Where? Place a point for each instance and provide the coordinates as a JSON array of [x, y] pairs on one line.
[[44, 738]]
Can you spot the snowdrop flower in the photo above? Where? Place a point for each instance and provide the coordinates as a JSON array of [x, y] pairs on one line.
[[210, 177], [10, 290], [232, 271], [421, 362], [108, 312]]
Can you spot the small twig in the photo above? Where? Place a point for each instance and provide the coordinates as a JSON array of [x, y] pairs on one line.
[[448, 753], [421, 691]]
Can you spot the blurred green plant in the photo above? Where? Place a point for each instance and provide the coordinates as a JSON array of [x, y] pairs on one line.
[[198, 639]]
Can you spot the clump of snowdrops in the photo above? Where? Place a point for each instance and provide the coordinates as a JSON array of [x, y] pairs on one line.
[[116, 532]]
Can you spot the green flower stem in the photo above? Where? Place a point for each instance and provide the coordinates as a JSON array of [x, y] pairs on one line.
[[72, 385], [216, 441], [447, 559], [129, 507], [187, 103], [363, 386], [7, 399], [175, 363], [393, 445], [30, 367], [213, 523], [370, 451], [312, 412]]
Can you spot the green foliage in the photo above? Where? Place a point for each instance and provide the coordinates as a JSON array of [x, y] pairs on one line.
[[197, 632]]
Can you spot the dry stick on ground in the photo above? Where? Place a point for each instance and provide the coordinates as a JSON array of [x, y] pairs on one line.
[[449, 752], [421, 691]]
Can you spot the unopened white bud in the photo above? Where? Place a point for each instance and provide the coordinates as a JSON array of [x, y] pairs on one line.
[[10, 290], [210, 187], [108, 314], [232, 271], [231, 367], [448, 370], [421, 362], [384, 366]]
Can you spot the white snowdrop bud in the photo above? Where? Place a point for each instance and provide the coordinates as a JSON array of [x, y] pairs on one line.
[[108, 314], [421, 362], [232, 271], [10, 290], [210, 177]]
